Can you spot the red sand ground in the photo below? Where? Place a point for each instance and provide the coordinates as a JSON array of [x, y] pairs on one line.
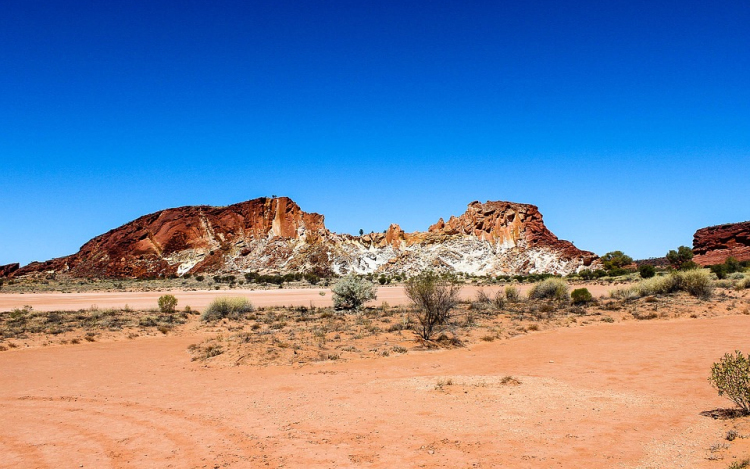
[[623, 395]]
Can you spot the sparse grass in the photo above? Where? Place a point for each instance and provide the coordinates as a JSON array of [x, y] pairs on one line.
[[22, 322]]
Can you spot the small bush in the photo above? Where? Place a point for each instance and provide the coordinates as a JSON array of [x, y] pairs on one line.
[[552, 288], [696, 282], [647, 271], [731, 377], [227, 307], [167, 303], [352, 292], [581, 296], [433, 297], [512, 293]]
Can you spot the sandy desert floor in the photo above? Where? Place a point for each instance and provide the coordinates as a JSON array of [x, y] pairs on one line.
[[200, 299], [630, 394]]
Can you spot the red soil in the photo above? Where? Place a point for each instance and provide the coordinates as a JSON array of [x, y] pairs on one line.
[[622, 395]]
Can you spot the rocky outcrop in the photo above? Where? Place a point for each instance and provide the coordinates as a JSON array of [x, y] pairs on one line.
[[6, 270], [275, 236], [714, 244]]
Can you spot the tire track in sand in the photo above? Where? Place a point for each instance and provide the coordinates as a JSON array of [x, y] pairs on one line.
[[122, 434]]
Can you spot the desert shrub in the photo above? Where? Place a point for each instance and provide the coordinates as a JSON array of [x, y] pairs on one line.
[[512, 293], [730, 266], [647, 271], [581, 296], [351, 292], [617, 272], [695, 282], [227, 307], [552, 288], [167, 303], [719, 270], [499, 300], [199, 278], [588, 274], [731, 377], [433, 297]]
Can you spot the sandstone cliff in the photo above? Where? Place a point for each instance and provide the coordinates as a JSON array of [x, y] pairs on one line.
[[714, 244], [276, 236]]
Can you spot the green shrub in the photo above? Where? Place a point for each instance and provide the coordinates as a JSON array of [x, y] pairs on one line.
[[719, 270], [167, 303], [351, 292], [731, 377], [647, 271], [226, 307], [551, 288], [581, 296], [588, 274]]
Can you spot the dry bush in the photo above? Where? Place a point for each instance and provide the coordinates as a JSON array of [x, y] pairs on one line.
[[433, 297], [731, 377], [227, 307], [167, 303], [351, 292], [512, 293], [551, 288], [695, 282]]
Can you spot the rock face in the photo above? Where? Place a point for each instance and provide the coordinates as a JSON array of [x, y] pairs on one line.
[[714, 244], [276, 236], [6, 270]]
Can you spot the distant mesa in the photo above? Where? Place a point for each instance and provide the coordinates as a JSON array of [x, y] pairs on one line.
[[714, 244], [273, 235]]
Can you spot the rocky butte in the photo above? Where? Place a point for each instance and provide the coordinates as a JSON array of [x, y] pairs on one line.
[[714, 244], [273, 235]]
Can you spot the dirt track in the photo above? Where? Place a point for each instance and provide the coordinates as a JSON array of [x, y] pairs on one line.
[[200, 299], [616, 395]]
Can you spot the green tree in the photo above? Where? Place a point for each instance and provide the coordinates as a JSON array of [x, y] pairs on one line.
[[680, 258], [616, 260]]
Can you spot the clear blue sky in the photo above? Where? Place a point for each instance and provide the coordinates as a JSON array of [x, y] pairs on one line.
[[626, 122]]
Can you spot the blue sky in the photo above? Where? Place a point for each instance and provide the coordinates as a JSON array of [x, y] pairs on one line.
[[627, 123]]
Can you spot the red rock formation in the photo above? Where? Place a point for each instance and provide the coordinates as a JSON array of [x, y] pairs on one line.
[[510, 224], [138, 249], [8, 269], [714, 244], [275, 235]]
